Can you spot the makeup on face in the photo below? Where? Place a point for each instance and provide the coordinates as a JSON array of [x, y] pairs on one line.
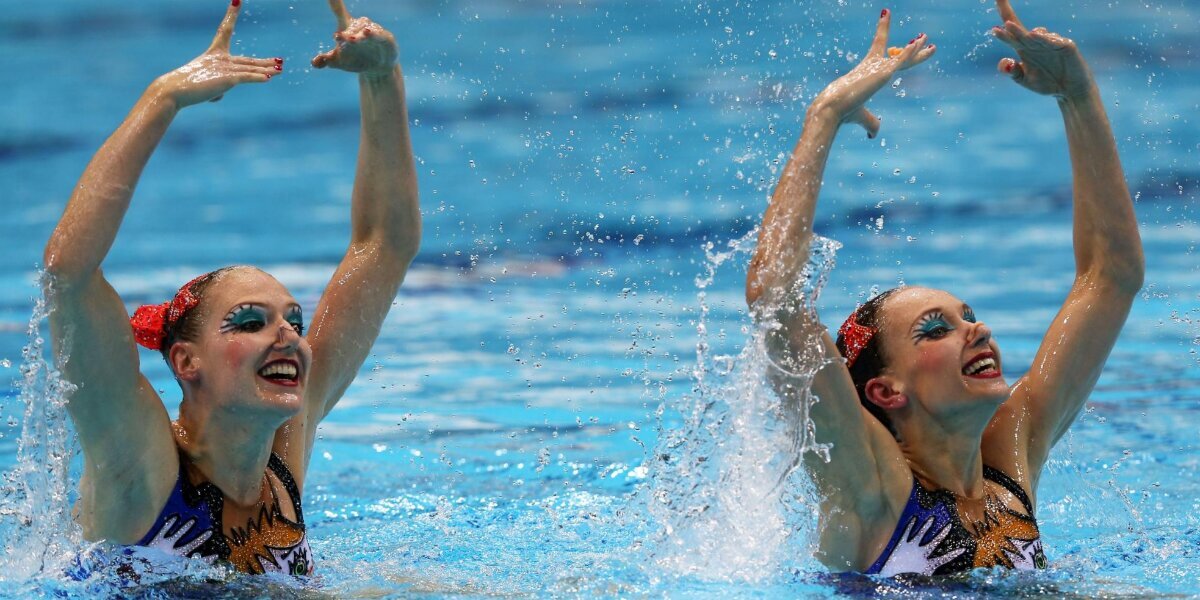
[[934, 325], [250, 317]]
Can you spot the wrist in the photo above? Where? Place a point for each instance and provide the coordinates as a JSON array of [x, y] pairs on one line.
[[158, 95], [1086, 98], [382, 75]]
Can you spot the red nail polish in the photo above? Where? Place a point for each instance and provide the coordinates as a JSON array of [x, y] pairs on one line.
[[1008, 67], [278, 67], [910, 42], [920, 36], [237, 3], [883, 14], [278, 60]]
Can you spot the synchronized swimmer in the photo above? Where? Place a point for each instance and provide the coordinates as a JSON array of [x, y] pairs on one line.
[[224, 481], [935, 459]]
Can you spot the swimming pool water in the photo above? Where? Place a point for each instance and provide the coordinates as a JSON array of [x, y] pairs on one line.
[[526, 419]]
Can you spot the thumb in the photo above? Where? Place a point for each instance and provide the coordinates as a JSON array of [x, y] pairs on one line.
[[1012, 68], [868, 121]]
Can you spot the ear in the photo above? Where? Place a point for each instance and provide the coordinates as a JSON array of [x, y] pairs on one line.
[[184, 361], [884, 392]]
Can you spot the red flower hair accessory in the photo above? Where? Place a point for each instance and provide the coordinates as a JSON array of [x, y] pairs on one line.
[[150, 321], [855, 337]]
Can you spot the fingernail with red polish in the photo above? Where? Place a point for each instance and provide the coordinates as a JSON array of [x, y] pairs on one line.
[[237, 3], [920, 36], [910, 42], [1008, 67], [278, 61], [883, 14], [278, 67]]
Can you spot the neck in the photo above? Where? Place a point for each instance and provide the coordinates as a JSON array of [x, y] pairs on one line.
[[229, 448], [948, 456]]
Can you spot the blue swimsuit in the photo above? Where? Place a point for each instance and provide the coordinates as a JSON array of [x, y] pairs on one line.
[[191, 525], [931, 539]]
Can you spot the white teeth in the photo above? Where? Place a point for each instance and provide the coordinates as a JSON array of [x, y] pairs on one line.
[[280, 368], [979, 366]]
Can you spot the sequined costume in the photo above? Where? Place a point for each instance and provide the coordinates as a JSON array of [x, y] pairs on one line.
[[931, 538], [191, 525]]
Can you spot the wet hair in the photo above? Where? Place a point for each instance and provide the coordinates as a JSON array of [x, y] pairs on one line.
[[870, 363], [187, 327]]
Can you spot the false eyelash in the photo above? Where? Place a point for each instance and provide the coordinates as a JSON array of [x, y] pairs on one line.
[[227, 323], [922, 333], [969, 315]]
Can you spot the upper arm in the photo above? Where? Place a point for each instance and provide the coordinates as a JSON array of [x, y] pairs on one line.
[[347, 321], [123, 427], [1065, 369], [866, 470]]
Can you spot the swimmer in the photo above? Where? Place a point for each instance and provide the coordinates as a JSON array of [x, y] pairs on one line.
[[224, 481], [935, 459]]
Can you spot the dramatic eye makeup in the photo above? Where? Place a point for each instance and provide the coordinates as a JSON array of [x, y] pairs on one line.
[[244, 317], [968, 314], [296, 318], [931, 326]]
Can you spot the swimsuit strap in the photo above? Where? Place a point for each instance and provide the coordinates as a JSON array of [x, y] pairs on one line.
[[281, 471], [997, 476]]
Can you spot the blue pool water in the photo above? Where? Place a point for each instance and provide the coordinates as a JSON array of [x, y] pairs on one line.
[[560, 402]]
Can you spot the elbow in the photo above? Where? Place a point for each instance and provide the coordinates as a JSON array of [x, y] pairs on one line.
[[62, 270]]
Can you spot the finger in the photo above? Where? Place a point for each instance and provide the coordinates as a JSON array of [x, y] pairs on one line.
[[1006, 11], [1019, 33], [255, 62], [868, 121], [339, 11], [321, 60], [914, 46], [1012, 68], [881, 34], [1003, 35], [225, 30]]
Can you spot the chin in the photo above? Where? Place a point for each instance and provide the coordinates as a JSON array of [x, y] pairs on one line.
[[286, 401]]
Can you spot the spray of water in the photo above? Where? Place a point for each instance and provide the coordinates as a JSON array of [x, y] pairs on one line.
[[724, 488], [39, 535]]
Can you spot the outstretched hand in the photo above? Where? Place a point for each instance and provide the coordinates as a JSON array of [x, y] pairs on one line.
[[208, 76], [363, 46], [1050, 63], [846, 97]]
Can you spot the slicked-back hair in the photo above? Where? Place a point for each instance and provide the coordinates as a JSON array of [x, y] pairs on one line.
[[187, 327], [869, 363]]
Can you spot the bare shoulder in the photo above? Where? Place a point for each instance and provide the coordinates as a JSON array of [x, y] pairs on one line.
[[1005, 444]]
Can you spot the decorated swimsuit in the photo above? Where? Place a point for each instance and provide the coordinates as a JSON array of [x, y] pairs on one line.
[[931, 539], [191, 525]]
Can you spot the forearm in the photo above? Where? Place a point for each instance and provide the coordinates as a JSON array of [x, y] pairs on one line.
[[1106, 239], [385, 207], [97, 206], [783, 239]]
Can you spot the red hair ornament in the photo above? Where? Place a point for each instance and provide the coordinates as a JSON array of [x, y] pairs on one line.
[[855, 337], [150, 321]]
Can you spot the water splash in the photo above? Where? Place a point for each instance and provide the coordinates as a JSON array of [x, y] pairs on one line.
[[724, 485], [39, 534]]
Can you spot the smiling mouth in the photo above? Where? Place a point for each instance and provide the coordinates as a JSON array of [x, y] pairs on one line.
[[983, 366], [281, 372]]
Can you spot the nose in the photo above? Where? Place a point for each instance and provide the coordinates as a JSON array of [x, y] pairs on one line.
[[979, 335], [287, 337]]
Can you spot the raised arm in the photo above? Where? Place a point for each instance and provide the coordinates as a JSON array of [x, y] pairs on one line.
[[122, 425], [862, 447], [385, 216], [1109, 265]]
